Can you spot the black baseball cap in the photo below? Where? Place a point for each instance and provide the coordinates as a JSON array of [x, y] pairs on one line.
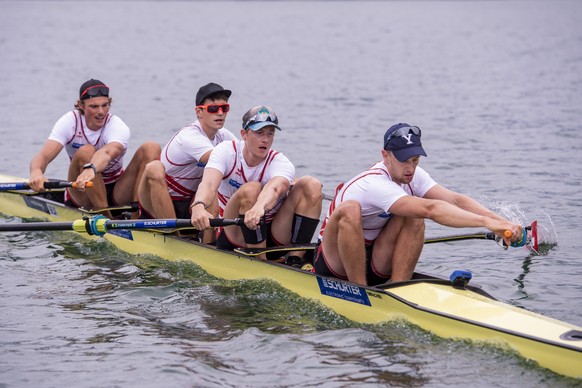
[[208, 91], [93, 88]]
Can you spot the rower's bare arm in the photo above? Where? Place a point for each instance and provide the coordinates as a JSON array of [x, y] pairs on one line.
[[100, 160], [106, 154], [39, 163], [447, 214], [460, 200], [276, 187], [205, 195]]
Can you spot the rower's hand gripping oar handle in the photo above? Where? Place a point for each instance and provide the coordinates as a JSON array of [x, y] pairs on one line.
[[60, 185], [525, 238], [88, 185]]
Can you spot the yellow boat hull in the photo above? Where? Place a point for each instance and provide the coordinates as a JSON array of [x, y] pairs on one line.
[[431, 303]]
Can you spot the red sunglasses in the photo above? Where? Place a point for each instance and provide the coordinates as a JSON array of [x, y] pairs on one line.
[[215, 108]]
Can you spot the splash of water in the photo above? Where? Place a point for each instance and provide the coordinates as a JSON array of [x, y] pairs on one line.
[[546, 229]]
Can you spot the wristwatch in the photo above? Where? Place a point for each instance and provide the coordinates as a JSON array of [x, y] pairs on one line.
[[90, 165]]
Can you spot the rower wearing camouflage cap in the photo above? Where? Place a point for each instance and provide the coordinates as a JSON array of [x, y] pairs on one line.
[[255, 182]]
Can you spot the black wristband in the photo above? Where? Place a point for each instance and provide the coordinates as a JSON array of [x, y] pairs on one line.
[[90, 165], [198, 203]]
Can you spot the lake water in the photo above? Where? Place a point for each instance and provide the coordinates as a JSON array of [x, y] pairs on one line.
[[496, 87]]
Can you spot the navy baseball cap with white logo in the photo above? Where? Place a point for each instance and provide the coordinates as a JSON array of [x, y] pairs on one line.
[[403, 140]]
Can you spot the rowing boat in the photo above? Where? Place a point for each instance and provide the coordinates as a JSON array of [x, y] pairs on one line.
[[447, 308]]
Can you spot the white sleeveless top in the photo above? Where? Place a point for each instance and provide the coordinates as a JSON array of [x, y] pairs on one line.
[[181, 158], [228, 159], [376, 193], [71, 131]]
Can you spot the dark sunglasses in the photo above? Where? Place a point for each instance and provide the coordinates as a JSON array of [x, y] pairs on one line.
[[260, 118], [215, 108], [94, 91], [403, 132]]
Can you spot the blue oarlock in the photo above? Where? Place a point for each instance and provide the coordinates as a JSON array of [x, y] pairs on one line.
[[460, 278]]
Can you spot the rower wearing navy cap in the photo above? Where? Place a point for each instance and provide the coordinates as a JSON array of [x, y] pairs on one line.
[[374, 228]]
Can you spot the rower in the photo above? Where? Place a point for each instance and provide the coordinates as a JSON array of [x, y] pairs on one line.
[[254, 182], [96, 142], [374, 228], [168, 185]]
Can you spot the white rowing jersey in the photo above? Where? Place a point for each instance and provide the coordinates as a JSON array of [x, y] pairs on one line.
[[376, 193], [71, 131], [181, 158], [228, 159]]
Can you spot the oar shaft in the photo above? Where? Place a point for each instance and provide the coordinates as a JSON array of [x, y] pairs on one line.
[[14, 186], [166, 223], [47, 185], [100, 225], [477, 236], [36, 226]]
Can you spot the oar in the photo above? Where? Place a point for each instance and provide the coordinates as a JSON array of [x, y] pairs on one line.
[[133, 207], [530, 240], [253, 252], [460, 237], [100, 225], [47, 185], [530, 237]]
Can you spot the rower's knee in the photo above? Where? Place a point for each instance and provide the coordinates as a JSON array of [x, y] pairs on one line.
[[154, 172], [412, 228], [84, 154], [249, 192], [150, 150], [415, 225], [349, 214], [310, 187]]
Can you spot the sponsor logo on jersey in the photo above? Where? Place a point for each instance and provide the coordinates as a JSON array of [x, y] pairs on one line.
[[234, 183]]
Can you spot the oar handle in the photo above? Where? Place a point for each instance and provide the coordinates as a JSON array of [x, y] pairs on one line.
[[524, 237], [47, 185], [59, 185]]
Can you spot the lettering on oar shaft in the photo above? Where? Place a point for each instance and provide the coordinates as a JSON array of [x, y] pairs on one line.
[[342, 290], [155, 223], [144, 224]]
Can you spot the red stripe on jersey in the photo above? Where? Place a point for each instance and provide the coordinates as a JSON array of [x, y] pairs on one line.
[[178, 188], [270, 158], [235, 160]]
